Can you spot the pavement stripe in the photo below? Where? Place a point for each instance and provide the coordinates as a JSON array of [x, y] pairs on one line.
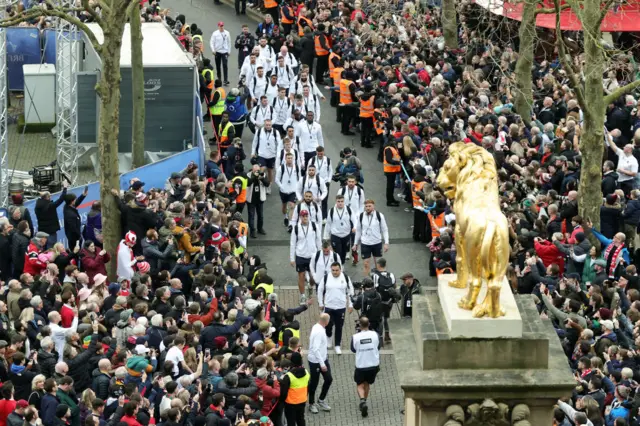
[[286, 242]]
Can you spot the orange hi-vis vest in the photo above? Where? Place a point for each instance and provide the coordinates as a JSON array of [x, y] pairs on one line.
[[345, 92], [283, 18], [445, 270], [243, 229], [392, 168], [301, 28], [366, 108], [379, 124], [270, 4], [298, 389], [415, 188], [320, 51], [436, 224], [336, 75], [331, 66]]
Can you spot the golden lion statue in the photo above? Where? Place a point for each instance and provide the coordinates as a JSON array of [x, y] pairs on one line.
[[481, 234]]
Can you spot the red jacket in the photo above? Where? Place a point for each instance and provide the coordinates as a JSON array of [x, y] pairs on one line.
[[93, 263], [131, 421], [208, 317], [32, 265], [549, 253], [66, 313], [270, 395], [6, 407]]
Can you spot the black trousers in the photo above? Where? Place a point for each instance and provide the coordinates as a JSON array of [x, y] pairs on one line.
[[334, 99], [325, 202], [322, 65], [366, 133], [294, 413], [256, 209], [347, 116], [222, 60], [341, 245], [336, 319], [391, 183], [287, 29], [315, 371], [626, 186], [420, 226], [216, 119], [274, 14], [242, 10]]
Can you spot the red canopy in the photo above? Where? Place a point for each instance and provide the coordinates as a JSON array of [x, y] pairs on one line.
[[625, 17]]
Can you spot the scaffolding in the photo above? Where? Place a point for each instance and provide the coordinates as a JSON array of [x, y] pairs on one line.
[[67, 61], [4, 140]]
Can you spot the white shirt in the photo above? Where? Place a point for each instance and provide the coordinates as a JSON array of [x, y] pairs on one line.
[[317, 345], [220, 42], [271, 92], [287, 178], [59, 335], [260, 113], [339, 222], [285, 75], [353, 198], [315, 184], [268, 56], [323, 167], [312, 103], [281, 110], [125, 261], [258, 86], [366, 345], [265, 143], [298, 86], [321, 264], [371, 231], [175, 355], [249, 70], [314, 209], [305, 241], [628, 163], [282, 158], [336, 292], [289, 59], [310, 136]]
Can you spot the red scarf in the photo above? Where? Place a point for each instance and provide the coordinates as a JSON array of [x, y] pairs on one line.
[[612, 261], [219, 410]]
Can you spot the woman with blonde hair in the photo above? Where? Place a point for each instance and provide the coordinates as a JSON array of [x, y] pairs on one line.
[[37, 391], [86, 404], [191, 359]]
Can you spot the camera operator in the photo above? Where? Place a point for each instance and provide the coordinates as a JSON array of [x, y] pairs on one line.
[[385, 283], [349, 165], [369, 303], [256, 196], [245, 43]]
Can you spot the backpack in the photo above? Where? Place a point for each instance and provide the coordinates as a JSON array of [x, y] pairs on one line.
[[304, 181], [386, 287], [343, 190], [379, 220], [335, 257], [295, 229], [296, 168], [372, 308], [348, 211], [275, 138], [299, 208], [312, 162], [324, 289], [273, 104]]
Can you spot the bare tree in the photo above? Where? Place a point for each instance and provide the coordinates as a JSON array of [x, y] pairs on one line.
[[450, 23], [137, 84]]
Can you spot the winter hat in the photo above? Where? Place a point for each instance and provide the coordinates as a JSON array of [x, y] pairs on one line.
[[607, 324], [125, 315], [580, 237], [612, 198], [114, 288], [219, 342], [130, 238], [84, 294], [61, 410], [605, 314], [144, 267], [99, 279]]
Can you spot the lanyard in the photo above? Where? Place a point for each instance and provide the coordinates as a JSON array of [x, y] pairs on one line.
[[289, 173], [310, 128], [370, 220], [340, 215], [319, 164], [310, 182], [305, 232], [263, 113], [326, 260], [350, 194]]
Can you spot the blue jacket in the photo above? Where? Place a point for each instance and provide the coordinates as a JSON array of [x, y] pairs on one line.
[[631, 213], [212, 170], [606, 241], [623, 410], [236, 108], [48, 406]]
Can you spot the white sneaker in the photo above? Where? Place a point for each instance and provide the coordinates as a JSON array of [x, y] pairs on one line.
[[303, 299], [328, 343], [268, 190], [314, 409], [323, 405], [324, 221], [348, 256], [338, 352]]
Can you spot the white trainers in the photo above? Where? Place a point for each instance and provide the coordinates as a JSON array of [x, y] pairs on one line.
[[348, 256], [314, 409], [329, 343], [338, 350], [268, 190], [323, 405]]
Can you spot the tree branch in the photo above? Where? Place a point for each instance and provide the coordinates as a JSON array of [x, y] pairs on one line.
[[562, 55], [95, 15], [605, 9], [621, 91], [550, 10], [104, 6]]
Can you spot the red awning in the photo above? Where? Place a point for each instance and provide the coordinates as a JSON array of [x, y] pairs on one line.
[[624, 17]]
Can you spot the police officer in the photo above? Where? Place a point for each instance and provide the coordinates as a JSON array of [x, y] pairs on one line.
[[366, 346]]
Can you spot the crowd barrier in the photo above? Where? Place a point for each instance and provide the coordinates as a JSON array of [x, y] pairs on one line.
[[153, 175], [23, 47]]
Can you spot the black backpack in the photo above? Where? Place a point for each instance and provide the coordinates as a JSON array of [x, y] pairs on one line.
[[386, 288], [372, 308], [335, 257], [324, 289], [313, 226], [348, 212]]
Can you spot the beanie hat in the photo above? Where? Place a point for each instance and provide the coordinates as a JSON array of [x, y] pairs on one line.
[[219, 341], [130, 237], [580, 236], [144, 267], [296, 359]]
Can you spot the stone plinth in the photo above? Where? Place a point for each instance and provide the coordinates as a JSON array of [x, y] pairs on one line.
[[437, 370], [461, 322]]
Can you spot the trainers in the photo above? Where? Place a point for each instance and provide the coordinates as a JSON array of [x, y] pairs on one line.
[[323, 405], [286, 221], [348, 257], [303, 299], [314, 409], [324, 221], [329, 343], [268, 190], [364, 409], [338, 350], [289, 228]]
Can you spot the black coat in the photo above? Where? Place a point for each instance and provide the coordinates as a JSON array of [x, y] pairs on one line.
[[609, 183], [307, 49], [47, 214], [5, 257], [610, 220], [100, 384], [22, 382], [72, 222], [47, 362], [138, 220], [19, 245], [78, 366]]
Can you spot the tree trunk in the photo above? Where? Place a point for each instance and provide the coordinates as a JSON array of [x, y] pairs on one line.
[[137, 84], [524, 80], [592, 141], [109, 92], [450, 23]]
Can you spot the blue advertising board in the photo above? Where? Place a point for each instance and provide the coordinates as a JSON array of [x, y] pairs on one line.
[[23, 47]]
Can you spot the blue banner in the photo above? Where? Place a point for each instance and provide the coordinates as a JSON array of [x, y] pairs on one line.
[[23, 47], [49, 47], [153, 175]]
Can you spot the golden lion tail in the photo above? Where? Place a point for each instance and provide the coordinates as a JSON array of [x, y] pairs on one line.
[[487, 251]]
